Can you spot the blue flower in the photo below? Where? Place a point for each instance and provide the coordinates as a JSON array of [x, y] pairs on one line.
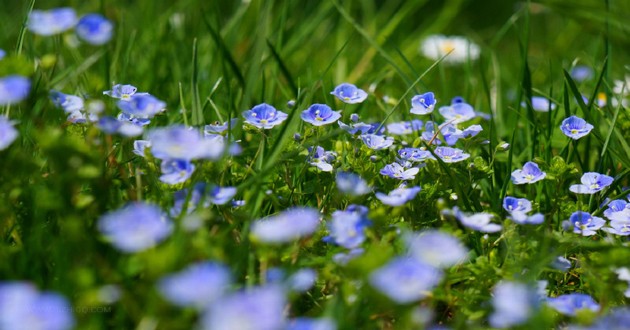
[[450, 155], [404, 127], [581, 73], [347, 228], [415, 154], [529, 174], [141, 106], [135, 227], [69, 103], [514, 303], [219, 128], [617, 227], [196, 196], [342, 258], [8, 133], [351, 184], [111, 125], [13, 89], [305, 323], [122, 92], [397, 171], [94, 29], [586, 224], [363, 128], [540, 104], [561, 263], [50, 22], [575, 127], [23, 307], [179, 142], [398, 196], [197, 286], [287, 226], [570, 304], [321, 158], [405, 280], [617, 319], [512, 204], [302, 280], [320, 114], [259, 308], [377, 142], [476, 221], [471, 131], [423, 104], [221, 195], [592, 182], [429, 133], [349, 93], [264, 116], [176, 171], [140, 147], [458, 112], [436, 248], [618, 210], [450, 133], [2, 54], [522, 218]]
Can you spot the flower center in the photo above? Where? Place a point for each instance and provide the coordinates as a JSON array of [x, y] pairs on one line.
[[574, 131], [125, 97], [264, 121], [529, 177], [447, 47]]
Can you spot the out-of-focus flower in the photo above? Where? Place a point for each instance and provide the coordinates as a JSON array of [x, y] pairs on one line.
[[140, 147], [592, 182], [2, 54], [476, 221], [111, 125], [617, 319], [321, 158], [512, 204], [23, 307], [94, 29], [342, 258], [302, 280], [514, 303], [377, 142], [459, 49], [575, 127], [141, 105], [540, 104], [50, 22], [347, 228], [179, 142], [621, 228], [176, 171], [423, 104], [415, 154], [351, 184], [219, 128], [581, 73], [397, 171], [8, 133], [349, 93], [135, 227], [305, 323], [362, 128], [122, 92], [405, 280], [523, 219], [561, 263], [586, 224], [451, 155], [570, 304], [286, 226], [260, 308], [197, 286], [221, 195], [13, 89], [471, 131], [398, 196], [436, 248], [404, 127], [618, 210], [529, 174], [264, 116], [69, 103], [320, 114], [457, 113]]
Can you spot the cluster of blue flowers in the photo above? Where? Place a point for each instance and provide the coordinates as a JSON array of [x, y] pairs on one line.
[[92, 28]]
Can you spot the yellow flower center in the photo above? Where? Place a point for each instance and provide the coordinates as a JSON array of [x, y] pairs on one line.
[[447, 47]]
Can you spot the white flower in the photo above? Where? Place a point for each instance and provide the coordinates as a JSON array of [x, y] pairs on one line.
[[460, 48]]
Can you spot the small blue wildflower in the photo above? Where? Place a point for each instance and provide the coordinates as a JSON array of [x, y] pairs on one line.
[[540, 104], [450, 133], [352, 184], [141, 106], [260, 308], [8, 133], [570, 304], [458, 99], [398, 196], [377, 142], [618, 210], [302, 280], [77, 117], [616, 227], [122, 92], [397, 171], [405, 280], [561, 263], [575, 127], [196, 195], [529, 174], [287, 226], [522, 218], [458, 113], [617, 319], [581, 73], [512, 204], [50, 22], [349, 93], [436, 248], [471, 131], [140, 147], [404, 127], [133, 119], [176, 171], [69, 103], [221, 195], [24, 307], [218, 128], [135, 227], [321, 158], [354, 118], [514, 303], [14, 89], [451, 155], [429, 133], [320, 114], [586, 224], [476, 221], [305, 323], [423, 104], [347, 228], [342, 258], [415, 154], [2, 54], [592, 182], [94, 29], [179, 142], [264, 116], [361, 128], [111, 125], [198, 285]]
